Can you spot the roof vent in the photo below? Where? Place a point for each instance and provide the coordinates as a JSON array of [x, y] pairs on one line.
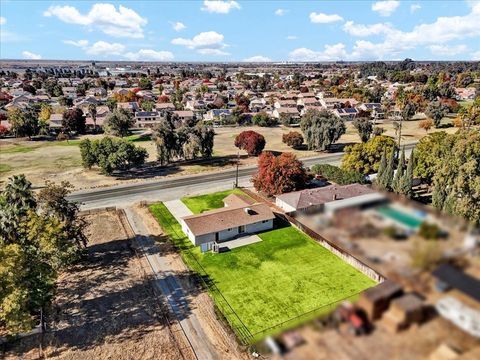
[[249, 211], [334, 197]]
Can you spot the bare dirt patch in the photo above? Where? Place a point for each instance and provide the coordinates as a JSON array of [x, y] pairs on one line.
[[105, 307]]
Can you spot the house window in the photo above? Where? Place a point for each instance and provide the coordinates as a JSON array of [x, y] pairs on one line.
[[230, 229], [264, 221]]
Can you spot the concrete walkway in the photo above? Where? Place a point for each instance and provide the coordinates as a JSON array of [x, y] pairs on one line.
[[242, 241], [178, 209]]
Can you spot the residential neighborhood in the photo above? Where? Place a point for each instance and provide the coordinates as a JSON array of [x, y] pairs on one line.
[[240, 180]]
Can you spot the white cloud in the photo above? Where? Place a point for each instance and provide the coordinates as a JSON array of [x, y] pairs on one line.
[[476, 55], [415, 7], [320, 18], [330, 53], [291, 37], [79, 43], [123, 22], [213, 52], [280, 12], [178, 26], [104, 48], [3, 20], [31, 56], [446, 50], [257, 58], [206, 43], [220, 7], [149, 55], [366, 30], [442, 31], [385, 8]]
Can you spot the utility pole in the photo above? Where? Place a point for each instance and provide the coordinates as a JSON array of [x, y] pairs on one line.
[[236, 173]]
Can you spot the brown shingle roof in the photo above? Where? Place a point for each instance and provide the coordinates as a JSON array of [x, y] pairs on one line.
[[226, 218], [311, 197]]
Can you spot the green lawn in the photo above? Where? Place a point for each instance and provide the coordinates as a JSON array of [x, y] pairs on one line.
[[199, 204], [285, 275]]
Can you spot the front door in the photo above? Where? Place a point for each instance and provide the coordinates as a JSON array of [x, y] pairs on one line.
[[241, 229], [216, 236]]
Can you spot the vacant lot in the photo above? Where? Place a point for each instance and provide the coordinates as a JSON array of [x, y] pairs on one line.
[[105, 307], [282, 277], [57, 161]]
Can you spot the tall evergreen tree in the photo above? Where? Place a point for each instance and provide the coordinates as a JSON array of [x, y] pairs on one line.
[[381, 169], [397, 180], [390, 170], [405, 187], [385, 177]]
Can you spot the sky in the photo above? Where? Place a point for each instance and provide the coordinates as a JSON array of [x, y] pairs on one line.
[[239, 30]]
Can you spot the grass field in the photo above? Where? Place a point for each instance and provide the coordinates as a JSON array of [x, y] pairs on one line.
[[284, 276], [199, 204]]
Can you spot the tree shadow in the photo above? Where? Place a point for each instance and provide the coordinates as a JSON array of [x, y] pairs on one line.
[[339, 147]]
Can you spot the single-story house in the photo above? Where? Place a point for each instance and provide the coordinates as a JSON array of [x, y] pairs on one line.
[[240, 216], [329, 199]]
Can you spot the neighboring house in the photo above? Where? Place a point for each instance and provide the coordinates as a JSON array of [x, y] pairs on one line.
[[98, 91], [102, 113], [375, 109], [463, 94], [163, 108], [183, 115], [278, 112], [132, 106], [308, 101], [329, 199], [70, 92], [346, 113], [332, 103], [55, 121], [239, 216], [218, 116], [285, 104], [147, 119]]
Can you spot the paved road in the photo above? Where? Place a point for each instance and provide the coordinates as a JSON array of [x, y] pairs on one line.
[[174, 188], [169, 285]]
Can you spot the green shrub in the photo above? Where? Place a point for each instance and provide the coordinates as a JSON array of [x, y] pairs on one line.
[[111, 154], [338, 175]]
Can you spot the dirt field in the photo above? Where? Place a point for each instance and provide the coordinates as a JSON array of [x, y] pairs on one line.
[[55, 161], [105, 308]]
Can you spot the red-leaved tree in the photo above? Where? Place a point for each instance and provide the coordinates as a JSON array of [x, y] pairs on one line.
[[250, 141], [279, 174], [163, 99]]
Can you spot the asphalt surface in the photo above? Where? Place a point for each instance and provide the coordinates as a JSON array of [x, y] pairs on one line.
[[174, 188]]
